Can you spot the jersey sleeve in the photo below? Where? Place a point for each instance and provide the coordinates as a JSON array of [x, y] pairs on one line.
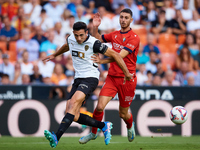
[[99, 47], [107, 37], [132, 44]]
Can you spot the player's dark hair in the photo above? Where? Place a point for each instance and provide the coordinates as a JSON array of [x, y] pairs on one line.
[[79, 25], [126, 10]]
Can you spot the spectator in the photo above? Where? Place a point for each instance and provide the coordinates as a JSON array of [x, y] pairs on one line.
[[190, 43], [46, 79], [141, 75], [142, 58], [150, 65], [160, 72], [136, 12], [26, 43], [45, 22], [156, 80], [117, 3], [150, 45], [26, 66], [26, 79], [178, 25], [186, 11], [32, 9], [36, 77], [72, 6], [150, 78], [161, 25], [170, 12], [197, 5], [54, 10], [190, 81], [59, 38], [6, 67], [1, 53], [21, 21], [39, 35], [178, 4], [1, 22], [8, 33], [69, 28], [197, 61], [69, 64], [45, 68], [106, 23], [90, 27], [90, 6], [197, 37], [181, 74], [48, 46], [70, 77], [115, 19], [58, 77], [65, 19], [5, 79], [196, 77], [80, 14], [17, 74], [193, 24], [149, 15], [9, 9], [185, 56], [169, 79]]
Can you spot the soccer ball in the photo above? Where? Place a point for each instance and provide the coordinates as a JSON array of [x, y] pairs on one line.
[[178, 115]]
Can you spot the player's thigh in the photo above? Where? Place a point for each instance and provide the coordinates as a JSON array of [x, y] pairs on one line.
[[102, 102], [126, 92]]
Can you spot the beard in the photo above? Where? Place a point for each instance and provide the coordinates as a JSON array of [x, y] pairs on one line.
[[124, 25]]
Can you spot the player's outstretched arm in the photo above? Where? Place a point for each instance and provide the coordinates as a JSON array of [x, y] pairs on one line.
[[96, 22], [120, 62], [61, 50], [96, 58]]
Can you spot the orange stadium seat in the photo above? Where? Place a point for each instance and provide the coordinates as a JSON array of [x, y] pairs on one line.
[[162, 48], [168, 60], [140, 31], [167, 39], [172, 48], [3, 46], [181, 39], [143, 39], [12, 56], [13, 46]]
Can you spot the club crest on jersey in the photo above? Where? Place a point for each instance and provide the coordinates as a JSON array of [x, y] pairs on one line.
[[86, 47], [124, 39]]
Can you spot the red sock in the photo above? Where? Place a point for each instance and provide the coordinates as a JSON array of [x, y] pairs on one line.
[[98, 116], [129, 122]]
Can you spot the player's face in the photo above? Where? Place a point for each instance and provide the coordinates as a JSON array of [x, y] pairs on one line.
[[125, 19], [80, 35]]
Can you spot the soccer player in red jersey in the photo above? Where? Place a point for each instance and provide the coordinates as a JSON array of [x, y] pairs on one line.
[[125, 42]]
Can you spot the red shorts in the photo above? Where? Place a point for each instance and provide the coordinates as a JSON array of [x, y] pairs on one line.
[[114, 85]]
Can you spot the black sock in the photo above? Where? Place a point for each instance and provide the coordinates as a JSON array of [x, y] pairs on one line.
[[87, 120], [64, 125]]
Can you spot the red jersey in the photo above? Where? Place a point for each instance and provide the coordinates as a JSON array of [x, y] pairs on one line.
[[9, 10], [123, 40]]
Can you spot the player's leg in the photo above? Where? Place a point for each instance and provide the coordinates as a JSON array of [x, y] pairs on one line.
[[126, 94], [107, 93], [128, 119]]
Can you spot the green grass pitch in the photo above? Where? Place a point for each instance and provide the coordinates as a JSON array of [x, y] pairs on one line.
[[117, 143]]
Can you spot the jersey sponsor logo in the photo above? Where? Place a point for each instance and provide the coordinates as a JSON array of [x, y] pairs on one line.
[[131, 46], [117, 46], [129, 98], [86, 47], [83, 86], [78, 54]]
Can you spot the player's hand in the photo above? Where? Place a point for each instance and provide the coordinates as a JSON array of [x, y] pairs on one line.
[[128, 77], [96, 59], [96, 20], [48, 58]]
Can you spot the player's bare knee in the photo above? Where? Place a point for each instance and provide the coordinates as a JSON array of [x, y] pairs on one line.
[[100, 108], [122, 115]]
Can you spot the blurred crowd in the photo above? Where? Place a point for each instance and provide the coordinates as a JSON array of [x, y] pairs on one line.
[[169, 32]]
